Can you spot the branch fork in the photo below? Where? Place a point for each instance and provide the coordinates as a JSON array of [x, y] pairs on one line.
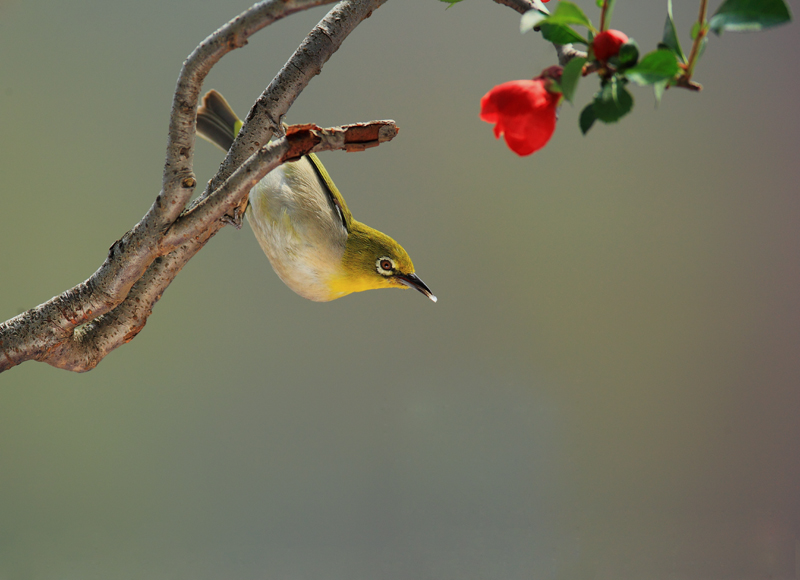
[[78, 328]]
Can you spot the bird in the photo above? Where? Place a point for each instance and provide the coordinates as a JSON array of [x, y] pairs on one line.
[[301, 221]]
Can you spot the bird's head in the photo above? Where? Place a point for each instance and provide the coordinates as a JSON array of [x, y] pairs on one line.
[[373, 260]]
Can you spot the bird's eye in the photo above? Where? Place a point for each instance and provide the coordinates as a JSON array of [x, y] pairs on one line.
[[385, 266]]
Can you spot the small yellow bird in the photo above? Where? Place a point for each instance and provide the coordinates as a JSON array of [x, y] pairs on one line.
[[304, 227]]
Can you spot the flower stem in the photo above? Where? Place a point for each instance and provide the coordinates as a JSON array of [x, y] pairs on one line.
[[702, 31], [603, 15]]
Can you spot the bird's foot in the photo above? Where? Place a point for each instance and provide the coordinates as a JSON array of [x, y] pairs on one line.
[[235, 221]]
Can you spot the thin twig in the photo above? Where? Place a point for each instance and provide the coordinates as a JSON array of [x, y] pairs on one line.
[[698, 41], [207, 213], [179, 180], [306, 62], [603, 15], [566, 52]]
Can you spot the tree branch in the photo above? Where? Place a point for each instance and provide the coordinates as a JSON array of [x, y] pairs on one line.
[[299, 140], [179, 180], [76, 329], [566, 52], [30, 336], [266, 114], [521, 6]]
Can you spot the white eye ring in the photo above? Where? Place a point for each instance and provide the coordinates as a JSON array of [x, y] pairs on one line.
[[385, 266]]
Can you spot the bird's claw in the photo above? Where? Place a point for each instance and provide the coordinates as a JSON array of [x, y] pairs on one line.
[[235, 221]]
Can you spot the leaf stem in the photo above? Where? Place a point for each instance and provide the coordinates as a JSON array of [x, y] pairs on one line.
[[702, 31], [603, 15]]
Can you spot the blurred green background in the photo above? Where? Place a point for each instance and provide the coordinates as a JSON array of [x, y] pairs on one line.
[[608, 387]]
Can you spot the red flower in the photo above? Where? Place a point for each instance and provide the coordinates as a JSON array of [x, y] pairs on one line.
[[523, 111], [607, 43]]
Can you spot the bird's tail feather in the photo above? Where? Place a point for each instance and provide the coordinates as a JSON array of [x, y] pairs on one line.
[[216, 121]]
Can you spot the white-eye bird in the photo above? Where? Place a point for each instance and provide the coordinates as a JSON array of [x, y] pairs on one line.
[[304, 226]]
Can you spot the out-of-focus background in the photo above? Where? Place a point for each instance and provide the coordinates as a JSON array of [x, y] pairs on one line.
[[608, 387]]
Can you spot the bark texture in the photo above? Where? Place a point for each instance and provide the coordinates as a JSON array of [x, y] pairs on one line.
[[78, 328]]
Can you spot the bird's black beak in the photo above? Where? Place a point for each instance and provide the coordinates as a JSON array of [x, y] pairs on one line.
[[413, 281]]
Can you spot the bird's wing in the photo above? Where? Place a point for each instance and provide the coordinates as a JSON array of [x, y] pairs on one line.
[[333, 193]]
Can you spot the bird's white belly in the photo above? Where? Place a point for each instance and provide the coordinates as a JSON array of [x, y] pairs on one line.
[[298, 228]]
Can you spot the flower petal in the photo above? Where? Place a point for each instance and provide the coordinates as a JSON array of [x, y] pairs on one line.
[[523, 111]]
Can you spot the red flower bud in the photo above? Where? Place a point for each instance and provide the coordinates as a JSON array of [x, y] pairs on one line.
[[524, 112], [607, 43]]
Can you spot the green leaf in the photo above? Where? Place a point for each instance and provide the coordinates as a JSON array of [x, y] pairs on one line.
[[450, 2], [557, 27], [568, 13], [658, 90], [740, 15], [571, 76], [655, 66], [529, 20], [702, 49], [612, 102], [560, 34], [670, 38], [628, 53], [587, 118]]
